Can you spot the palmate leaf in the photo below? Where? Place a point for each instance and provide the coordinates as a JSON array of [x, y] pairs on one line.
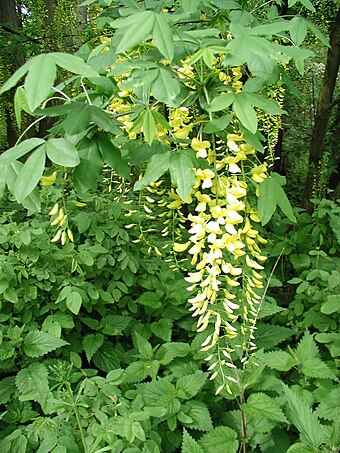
[[220, 440], [163, 36], [138, 28], [37, 344], [30, 174], [39, 80]]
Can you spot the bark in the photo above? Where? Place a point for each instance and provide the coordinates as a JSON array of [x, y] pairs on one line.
[[324, 108]]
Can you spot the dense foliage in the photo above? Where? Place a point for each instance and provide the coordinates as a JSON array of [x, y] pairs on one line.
[[154, 179]]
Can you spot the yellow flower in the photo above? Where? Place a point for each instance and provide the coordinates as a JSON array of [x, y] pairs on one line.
[[200, 147]]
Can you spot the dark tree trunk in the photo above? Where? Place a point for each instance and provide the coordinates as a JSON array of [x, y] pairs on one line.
[[324, 108]]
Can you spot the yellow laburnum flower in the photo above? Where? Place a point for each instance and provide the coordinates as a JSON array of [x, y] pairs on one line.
[[259, 172], [180, 247], [183, 132], [200, 147], [48, 180]]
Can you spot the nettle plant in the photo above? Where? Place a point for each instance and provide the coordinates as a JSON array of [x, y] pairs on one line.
[[178, 101]]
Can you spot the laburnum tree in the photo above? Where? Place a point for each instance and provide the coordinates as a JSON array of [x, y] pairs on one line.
[[182, 102]]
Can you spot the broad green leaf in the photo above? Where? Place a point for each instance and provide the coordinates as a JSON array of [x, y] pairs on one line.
[[269, 309], [267, 105], [278, 360], [73, 64], [103, 120], [37, 344], [217, 124], [139, 30], [301, 448], [260, 404], [112, 156], [78, 118], [311, 431], [221, 102], [11, 295], [114, 324], [166, 88], [39, 80], [91, 343], [149, 126], [316, 368], [30, 174], [62, 152], [160, 393], [158, 165], [189, 444], [73, 302], [32, 201], [14, 79], [308, 4], [208, 57], [268, 335], [162, 328], [188, 386], [87, 172], [190, 6], [267, 200], [199, 415], [32, 382], [284, 204], [307, 348], [220, 440], [20, 103], [332, 305], [318, 33], [169, 351], [182, 174], [140, 370], [245, 112], [329, 407], [20, 150], [7, 388], [162, 34], [298, 29]]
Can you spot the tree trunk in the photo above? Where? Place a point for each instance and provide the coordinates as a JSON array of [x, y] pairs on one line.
[[324, 108]]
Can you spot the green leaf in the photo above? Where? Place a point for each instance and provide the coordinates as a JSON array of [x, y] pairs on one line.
[[262, 405], [87, 172], [158, 165], [329, 407], [114, 324], [149, 126], [32, 201], [198, 414], [218, 124], [318, 33], [30, 174], [7, 388], [308, 4], [298, 29], [221, 102], [62, 152], [182, 174], [104, 120], [78, 118], [32, 382], [112, 156], [37, 344], [300, 448], [166, 88], [91, 343], [267, 200], [20, 150], [73, 302], [168, 351], [189, 386], [160, 393], [306, 421], [20, 103], [278, 360], [140, 26], [284, 204], [39, 80], [73, 64], [332, 305], [162, 329], [220, 440], [245, 112], [14, 79], [316, 368], [162, 34], [267, 105], [140, 370], [269, 335], [307, 348], [189, 445], [10, 295]]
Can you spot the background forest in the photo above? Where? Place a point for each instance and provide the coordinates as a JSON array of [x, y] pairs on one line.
[[169, 226]]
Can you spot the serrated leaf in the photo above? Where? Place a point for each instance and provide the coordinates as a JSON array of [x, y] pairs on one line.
[[182, 174], [316, 368], [91, 344], [140, 370], [307, 348], [39, 80], [300, 448], [278, 360], [30, 174], [73, 302], [268, 335], [168, 351], [189, 386], [162, 34], [158, 165], [162, 329], [7, 388], [260, 404], [199, 416], [189, 444], [139, 27], [37, 344], [160, 393], [306, 421], [269, 309], [32, 382], [114, 324], [62, 152], [220, 440], [329, 407]]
